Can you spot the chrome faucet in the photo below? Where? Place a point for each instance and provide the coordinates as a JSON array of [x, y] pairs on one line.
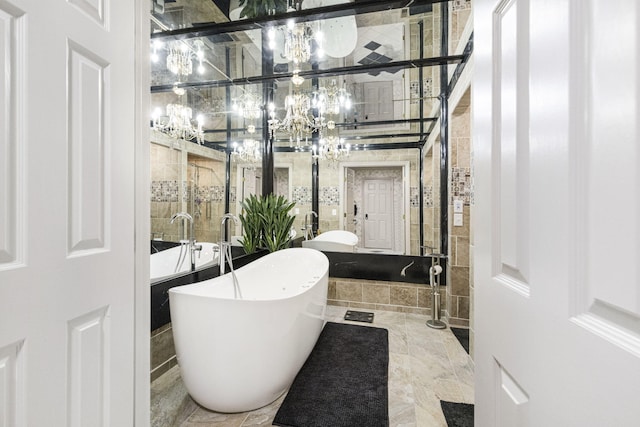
[[192, 240], [225, 252], [225, 245], [403, 272], [306, 227]]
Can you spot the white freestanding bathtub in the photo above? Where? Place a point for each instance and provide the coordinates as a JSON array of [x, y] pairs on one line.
[[333, 241], [237, 355], [176, 261]]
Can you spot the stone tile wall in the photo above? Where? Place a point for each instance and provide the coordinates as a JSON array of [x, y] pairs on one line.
[[380, 295], [173, 188], [458, 299]]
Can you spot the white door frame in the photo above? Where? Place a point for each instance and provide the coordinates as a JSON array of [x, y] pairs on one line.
[[405, 165], [142, 346]]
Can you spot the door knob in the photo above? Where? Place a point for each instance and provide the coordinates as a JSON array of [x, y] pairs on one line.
[[366, 216]]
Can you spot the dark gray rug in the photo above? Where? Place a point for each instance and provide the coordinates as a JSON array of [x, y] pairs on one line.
[[463, 337], [343, 383], [457, 414]]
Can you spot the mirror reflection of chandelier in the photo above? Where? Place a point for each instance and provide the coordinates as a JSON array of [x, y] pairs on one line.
[[177, 123], [179, 58], [332, 148], [247, 105], [331, 100], [298, 39], [297, 121], [250, 150]]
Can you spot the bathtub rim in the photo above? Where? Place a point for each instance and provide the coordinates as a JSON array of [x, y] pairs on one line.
[[187, 288]]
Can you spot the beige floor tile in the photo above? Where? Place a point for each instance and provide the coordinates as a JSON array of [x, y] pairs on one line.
[[204, 418], [430, 417]]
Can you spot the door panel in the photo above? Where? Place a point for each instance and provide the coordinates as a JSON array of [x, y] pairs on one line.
[[557, 227], [378, 214], [378, 101], [67, 213]]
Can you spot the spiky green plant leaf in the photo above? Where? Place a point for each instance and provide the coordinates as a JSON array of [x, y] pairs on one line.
[[266, 222]]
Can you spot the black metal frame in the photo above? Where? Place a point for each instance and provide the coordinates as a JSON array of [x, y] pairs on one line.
[[332, 72], [334, 11]]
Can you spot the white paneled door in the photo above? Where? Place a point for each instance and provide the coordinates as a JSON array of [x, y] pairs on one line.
[[66, 213], [557, 216], [378, 213]]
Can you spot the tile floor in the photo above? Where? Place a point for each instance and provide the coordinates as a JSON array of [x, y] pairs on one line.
[[425, 365]]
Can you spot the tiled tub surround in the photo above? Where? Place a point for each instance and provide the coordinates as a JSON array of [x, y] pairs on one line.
[[425, 366], [378, 295]]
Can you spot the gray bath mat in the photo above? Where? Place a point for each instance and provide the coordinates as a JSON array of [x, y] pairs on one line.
[[463, 337], [343, 383], [457, 414]]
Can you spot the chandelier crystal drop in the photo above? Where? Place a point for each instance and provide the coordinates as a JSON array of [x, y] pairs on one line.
[[177, 123]]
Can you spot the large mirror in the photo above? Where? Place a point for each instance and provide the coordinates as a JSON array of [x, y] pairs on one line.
[[366, 166]]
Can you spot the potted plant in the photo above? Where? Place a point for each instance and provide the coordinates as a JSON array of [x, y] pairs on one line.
[[266, 222]]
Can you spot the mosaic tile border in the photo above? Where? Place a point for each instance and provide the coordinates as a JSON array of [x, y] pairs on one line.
[[457, 5], [414, 197], [461, 185], [428, 196], [329, 196], [169, 191], [164, 191], [414, 89], [302, 195]]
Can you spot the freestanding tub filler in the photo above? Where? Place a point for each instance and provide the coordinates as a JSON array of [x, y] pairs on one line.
[[239, 354]]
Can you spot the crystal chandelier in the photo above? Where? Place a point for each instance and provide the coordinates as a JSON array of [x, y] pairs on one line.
[[248, 106], [297, 42], [297, 121], [331, 100], [177, 123], [248, 152], [180, 57], [331, 148]]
